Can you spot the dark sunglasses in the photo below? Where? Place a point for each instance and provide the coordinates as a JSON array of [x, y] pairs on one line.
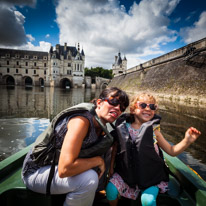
[[114, 102], [143, 105]]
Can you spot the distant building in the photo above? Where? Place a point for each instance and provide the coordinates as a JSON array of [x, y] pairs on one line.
[[120, 65], [62, 67]]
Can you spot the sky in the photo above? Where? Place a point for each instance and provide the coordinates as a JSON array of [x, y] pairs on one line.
[[139, 29]]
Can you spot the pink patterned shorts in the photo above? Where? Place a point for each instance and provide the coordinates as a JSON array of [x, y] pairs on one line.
[[132, 193]]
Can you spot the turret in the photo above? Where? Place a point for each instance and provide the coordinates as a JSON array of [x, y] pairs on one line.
[[65, 47], [57, 48]]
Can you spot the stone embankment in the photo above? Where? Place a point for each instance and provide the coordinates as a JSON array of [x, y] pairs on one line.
[[179, 75]]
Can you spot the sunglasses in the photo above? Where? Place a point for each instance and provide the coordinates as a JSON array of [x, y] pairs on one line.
[[143, 105], [114, 102]]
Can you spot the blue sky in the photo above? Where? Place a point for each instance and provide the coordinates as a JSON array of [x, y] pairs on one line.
[[140, 30]]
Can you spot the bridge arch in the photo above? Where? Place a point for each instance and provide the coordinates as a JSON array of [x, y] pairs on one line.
[[65, 83], [27, 81], [103, 85], [9, 80], [41, 82]]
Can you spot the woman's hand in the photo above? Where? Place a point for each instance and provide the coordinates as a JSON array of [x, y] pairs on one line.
[[101, 168], [192, 134]]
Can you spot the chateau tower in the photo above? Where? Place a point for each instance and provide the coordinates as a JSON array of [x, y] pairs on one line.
[[120, 65]]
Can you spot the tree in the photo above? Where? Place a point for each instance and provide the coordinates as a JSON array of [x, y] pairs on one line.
[[99, 72]]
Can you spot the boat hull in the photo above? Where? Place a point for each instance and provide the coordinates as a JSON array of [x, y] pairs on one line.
[[188, 190]]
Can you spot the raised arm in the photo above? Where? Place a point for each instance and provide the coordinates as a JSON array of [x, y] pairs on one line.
[[69, 163], [190, 136]]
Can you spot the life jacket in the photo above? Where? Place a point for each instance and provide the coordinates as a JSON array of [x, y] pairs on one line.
[[45, 147], [137, 162], [46, 152]]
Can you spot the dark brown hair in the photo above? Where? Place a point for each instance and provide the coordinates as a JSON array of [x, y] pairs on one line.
[[114, 92]]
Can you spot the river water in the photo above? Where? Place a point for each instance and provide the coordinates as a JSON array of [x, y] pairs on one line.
[[26, 112]]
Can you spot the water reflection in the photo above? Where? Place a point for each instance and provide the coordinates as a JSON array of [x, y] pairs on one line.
[[25, 113], [40, 102], [17, 133], [176, 119]]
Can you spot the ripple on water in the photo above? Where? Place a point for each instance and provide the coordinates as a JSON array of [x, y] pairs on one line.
[[25, 131]]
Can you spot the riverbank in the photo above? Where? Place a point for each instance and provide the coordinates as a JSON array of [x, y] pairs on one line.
[[178, 76], [177, 80]]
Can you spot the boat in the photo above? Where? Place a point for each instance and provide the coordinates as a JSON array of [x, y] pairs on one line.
[[190, 188]]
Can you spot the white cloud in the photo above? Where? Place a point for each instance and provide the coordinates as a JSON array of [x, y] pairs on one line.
[[30, 37], [105, 28], [195, 32], [47, 36], [43, 46]]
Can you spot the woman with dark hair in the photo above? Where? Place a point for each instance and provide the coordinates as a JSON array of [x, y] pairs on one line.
[[69, 156]]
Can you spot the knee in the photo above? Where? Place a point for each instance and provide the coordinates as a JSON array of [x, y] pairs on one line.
[[148, 200], [90, 180], [111, 192], [148, 197]]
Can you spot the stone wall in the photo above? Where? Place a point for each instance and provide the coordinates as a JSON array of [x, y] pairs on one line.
[[181, 77]]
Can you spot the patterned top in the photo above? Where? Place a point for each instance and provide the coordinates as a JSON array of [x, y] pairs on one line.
[[122, 187]]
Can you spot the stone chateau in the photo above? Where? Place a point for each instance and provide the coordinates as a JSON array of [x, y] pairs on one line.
[[60, 67], [120, 65]]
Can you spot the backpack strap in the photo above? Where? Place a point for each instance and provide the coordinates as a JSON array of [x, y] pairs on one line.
[[51, 175]]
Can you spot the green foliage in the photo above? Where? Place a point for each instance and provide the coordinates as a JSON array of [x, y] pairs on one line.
[[99, 72]]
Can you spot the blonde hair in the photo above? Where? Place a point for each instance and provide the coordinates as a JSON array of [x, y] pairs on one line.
[[136, 98]]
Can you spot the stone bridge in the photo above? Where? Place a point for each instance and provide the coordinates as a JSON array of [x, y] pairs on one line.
[[97, 82]]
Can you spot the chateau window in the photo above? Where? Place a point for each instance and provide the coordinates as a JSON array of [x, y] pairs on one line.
[[44, 64], [26, 71], [44, 72], [8, 70], [17, 63], [26, 63], [45, 58], [8, 55], [34, 71], [7, 62], [17, 71], [34, 57], [35, 64], [17, 56], [69, 72], [26, 57], [69, 64], [77, 67]]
